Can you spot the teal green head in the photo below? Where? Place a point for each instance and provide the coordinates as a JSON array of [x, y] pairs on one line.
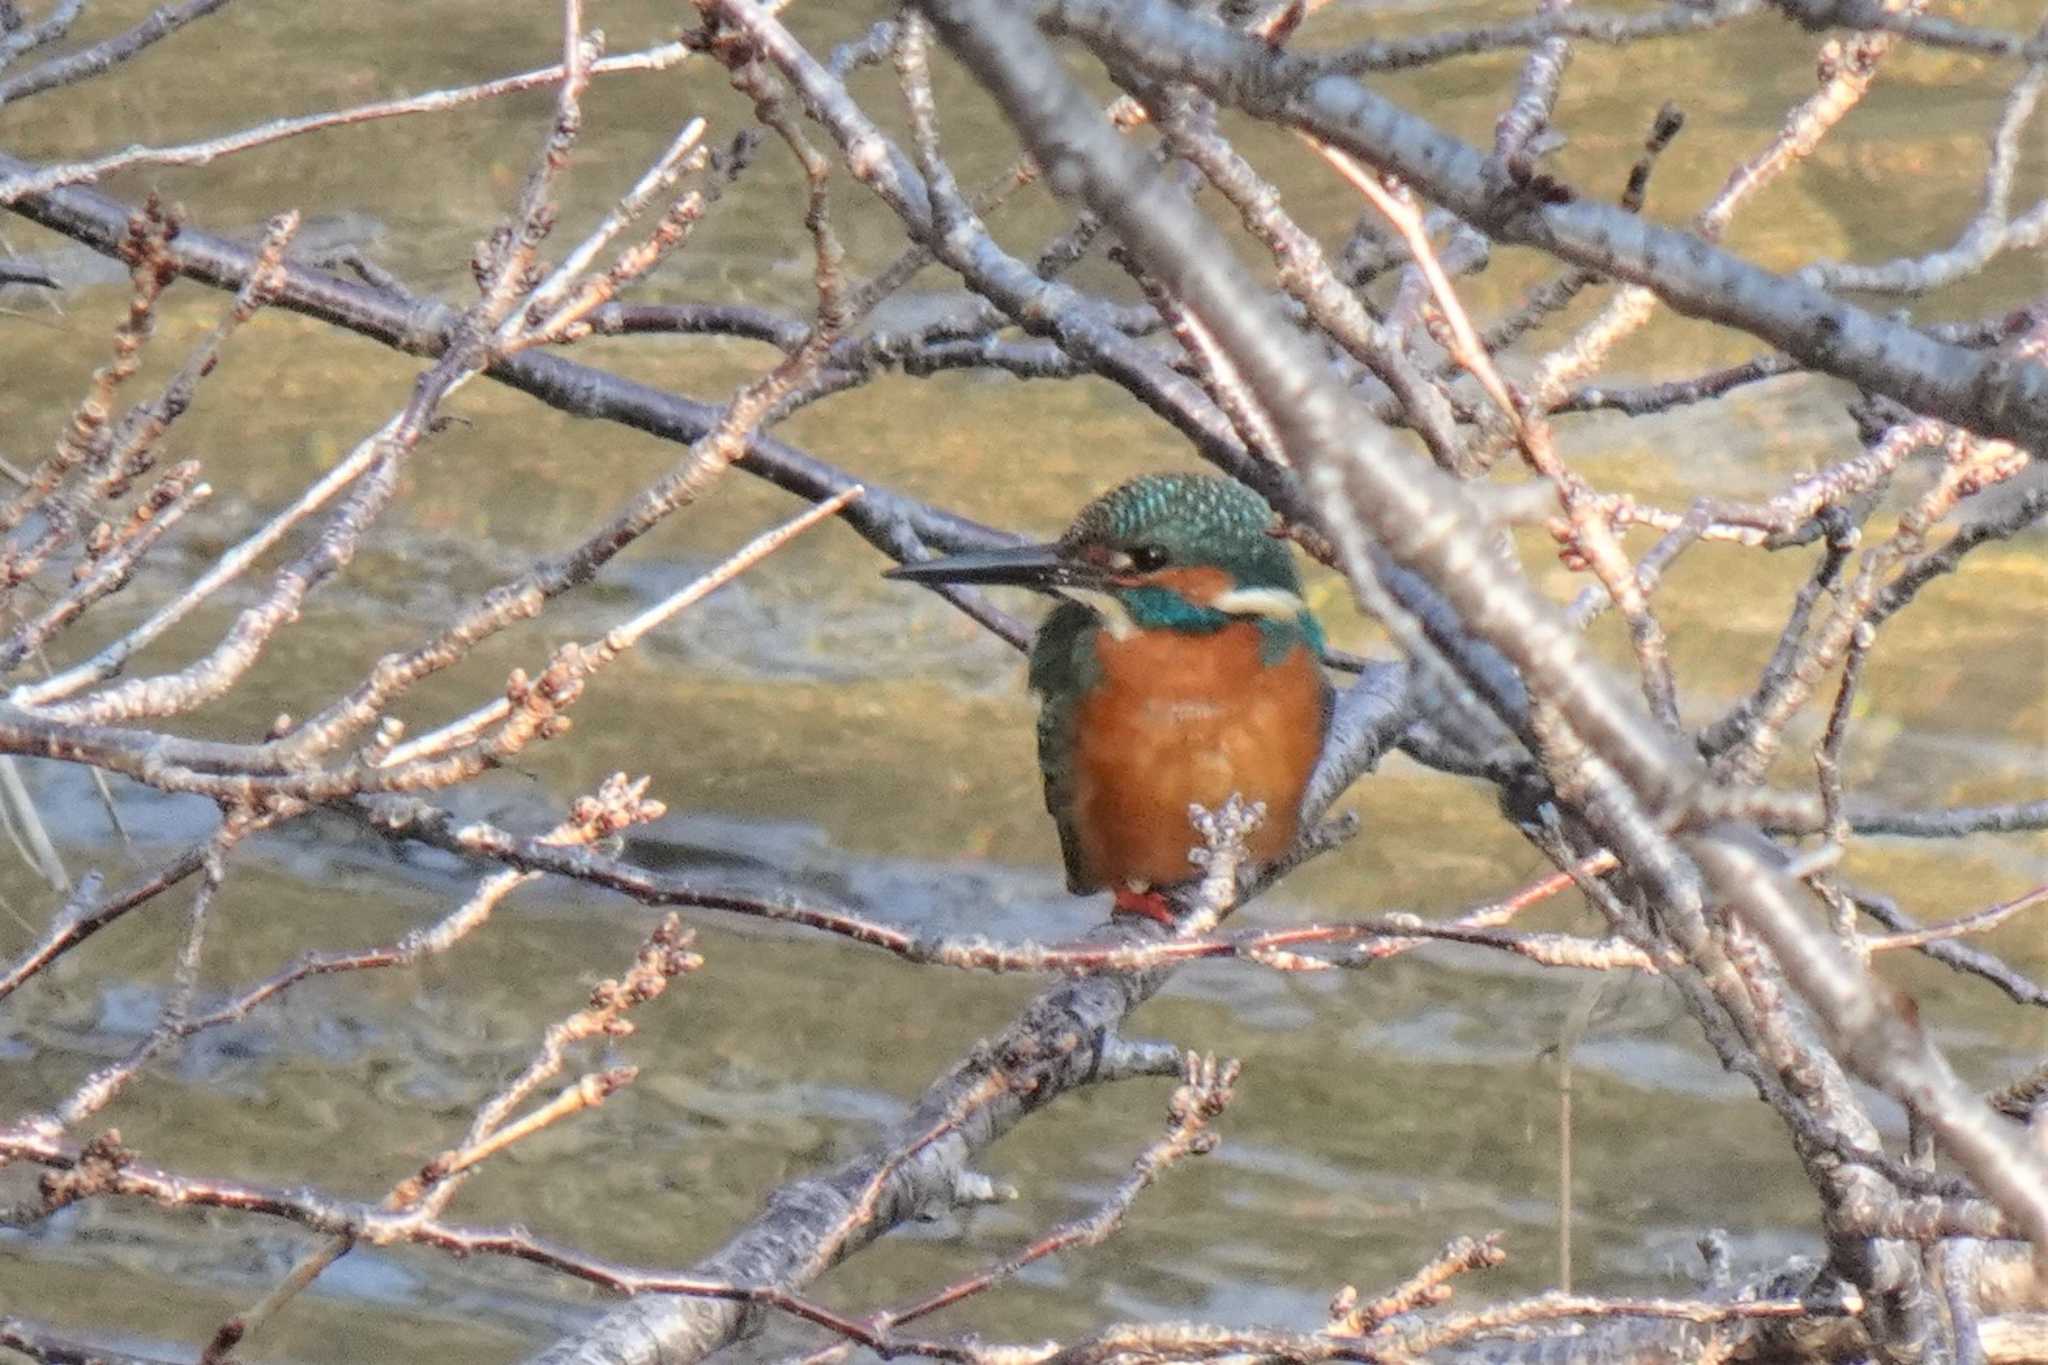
[[1188, 520], [1186, 552]]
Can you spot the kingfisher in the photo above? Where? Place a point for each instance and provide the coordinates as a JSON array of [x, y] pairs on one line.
[[1181, 666]]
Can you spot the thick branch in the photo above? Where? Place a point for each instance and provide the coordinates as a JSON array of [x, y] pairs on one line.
[[1987, 394]]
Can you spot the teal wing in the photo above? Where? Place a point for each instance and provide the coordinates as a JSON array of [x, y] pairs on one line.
[[1062, 668]]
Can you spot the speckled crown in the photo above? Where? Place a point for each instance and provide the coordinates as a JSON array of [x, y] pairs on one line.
[[1196, 519]]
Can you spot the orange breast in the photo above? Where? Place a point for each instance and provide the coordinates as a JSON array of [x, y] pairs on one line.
[[1181, 718]]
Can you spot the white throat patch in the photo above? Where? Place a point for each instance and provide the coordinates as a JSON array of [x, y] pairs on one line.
[[1115, 619]]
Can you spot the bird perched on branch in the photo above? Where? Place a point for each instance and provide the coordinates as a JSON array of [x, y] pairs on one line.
[[1182, 667]]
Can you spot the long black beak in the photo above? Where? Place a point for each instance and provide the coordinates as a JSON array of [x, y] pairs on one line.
[[1027, 566]]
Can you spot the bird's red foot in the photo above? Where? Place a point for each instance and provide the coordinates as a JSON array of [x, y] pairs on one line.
[[1147, 904]]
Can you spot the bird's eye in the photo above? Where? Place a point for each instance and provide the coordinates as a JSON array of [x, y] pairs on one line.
[[1146, 558]]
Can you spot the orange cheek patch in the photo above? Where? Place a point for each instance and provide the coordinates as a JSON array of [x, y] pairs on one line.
[[1200, 584]]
